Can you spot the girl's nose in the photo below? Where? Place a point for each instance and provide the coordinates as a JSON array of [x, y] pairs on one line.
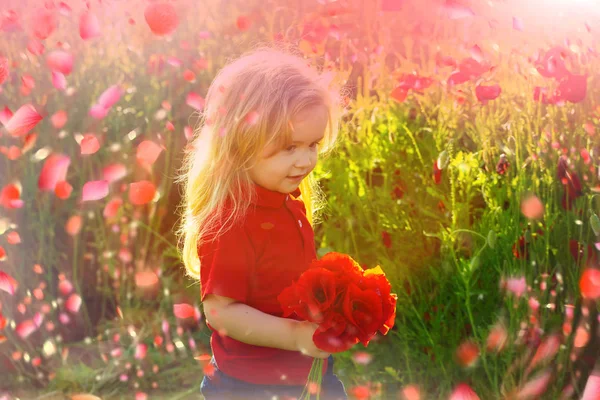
[[304, 161]]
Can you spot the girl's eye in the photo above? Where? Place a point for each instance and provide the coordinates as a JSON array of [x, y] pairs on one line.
[[291, 148]]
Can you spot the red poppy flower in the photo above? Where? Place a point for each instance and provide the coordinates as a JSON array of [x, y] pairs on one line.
[[346, 270], [445, 61], [520, 249], [415, 82], [552, 63], [315, 29], [348, 303], [572, 88], [437, 173], [312, 296], [472, 68], [398, 192], [458, 77], [486, 93], [336, 335], [571, 181], [377, 282], [583, 254], [502, 165], [387, 240], [363, 309]]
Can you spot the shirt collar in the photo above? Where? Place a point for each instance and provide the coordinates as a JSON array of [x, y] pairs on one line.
[[270, 198]]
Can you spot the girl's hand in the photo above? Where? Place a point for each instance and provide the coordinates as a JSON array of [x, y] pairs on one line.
[[303, 338]]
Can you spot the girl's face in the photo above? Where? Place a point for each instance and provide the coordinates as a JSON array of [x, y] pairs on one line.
[[282, 170]]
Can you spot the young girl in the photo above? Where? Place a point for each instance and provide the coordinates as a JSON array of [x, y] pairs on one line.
[[246, 229]]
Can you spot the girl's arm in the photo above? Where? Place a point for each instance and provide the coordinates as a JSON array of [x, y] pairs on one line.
[[249, 325]]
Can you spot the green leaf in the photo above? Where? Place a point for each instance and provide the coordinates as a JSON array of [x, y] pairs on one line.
[[491, 239], [443, 159], [391, 371], [595, 222], [474, 264]]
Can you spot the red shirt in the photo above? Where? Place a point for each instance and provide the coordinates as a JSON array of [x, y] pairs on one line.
[[252, 263]]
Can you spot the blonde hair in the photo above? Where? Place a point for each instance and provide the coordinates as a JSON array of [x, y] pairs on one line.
[[271, 84]]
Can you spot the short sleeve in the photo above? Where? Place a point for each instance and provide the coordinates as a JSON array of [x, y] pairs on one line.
[[226, 265]]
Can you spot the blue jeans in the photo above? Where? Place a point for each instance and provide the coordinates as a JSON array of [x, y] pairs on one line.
[[229, 388]]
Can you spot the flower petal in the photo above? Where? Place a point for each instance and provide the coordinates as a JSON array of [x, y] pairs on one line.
[[95, 190], [141, 192], [60, 61], [89, 27], [73, 303], [161, 18], [25, 119], [8, 283]]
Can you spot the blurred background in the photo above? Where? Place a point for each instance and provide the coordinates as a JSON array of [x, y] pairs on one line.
[[467, 170]]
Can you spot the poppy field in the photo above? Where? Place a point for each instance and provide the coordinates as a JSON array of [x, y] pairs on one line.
[[467, 169]]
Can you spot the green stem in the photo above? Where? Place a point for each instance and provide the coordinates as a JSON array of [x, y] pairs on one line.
[[414, 142], [470, 231]]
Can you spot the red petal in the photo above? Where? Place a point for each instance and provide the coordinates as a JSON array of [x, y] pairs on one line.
[[467, 353], [183, 310], [9, 196], [8, 283], [95, 190], [546, 350], [98, 111], [535, 387], [463, 392], [26, 328], [89, 144], [59, 119], [54, 170], [592, 387], [13, 237], [25, 119], [73, 225], [148, 152], [73, 303], [110, 96], [65, 287], [44, 22], [114, 172], [141, 192], [518, 24], [5, 115], [161, 18], [4, 71], [589, 283], [35, 47], [457, 78], [89, 27], [194, 100], [399, 94], [64, 9], [140, 351], [455, 10], [60, 61], [112, 207], [59, 81], [532, 207], [243, 23]]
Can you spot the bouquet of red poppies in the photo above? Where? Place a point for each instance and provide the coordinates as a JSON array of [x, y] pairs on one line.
[[349, 304]]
